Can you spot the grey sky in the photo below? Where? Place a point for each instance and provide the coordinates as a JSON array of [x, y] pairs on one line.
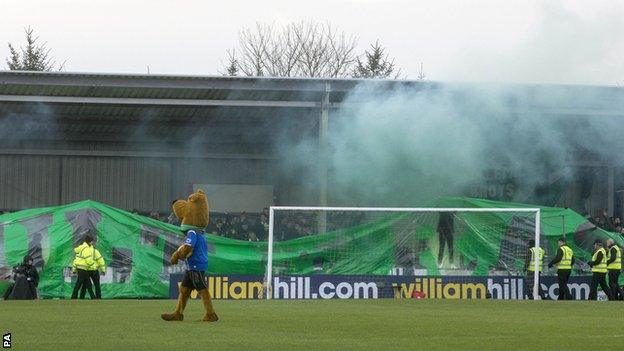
[[571, 42]]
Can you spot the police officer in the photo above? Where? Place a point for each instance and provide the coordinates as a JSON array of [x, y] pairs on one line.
[[82, 263], [97, 266], [614, 266], [598, 266], [564, 261], [529, 266]]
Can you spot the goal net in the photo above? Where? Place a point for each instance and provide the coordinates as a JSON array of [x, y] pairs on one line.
[[323, 252]]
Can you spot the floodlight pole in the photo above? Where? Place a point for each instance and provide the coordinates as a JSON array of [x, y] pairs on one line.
[[536, 272]]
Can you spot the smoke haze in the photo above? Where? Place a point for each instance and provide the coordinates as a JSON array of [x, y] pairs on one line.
[[406, 146]]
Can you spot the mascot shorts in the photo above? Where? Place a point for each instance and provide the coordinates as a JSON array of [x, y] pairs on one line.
[[194, 280]]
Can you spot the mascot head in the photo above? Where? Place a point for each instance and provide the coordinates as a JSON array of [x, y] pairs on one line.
[[192, 213]]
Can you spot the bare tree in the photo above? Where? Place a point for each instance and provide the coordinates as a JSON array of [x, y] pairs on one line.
[[283, 57], [342, 55], [253, 49], [298, 49], [35, 56]]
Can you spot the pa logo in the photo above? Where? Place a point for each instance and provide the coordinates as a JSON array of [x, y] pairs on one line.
[[6, 341]]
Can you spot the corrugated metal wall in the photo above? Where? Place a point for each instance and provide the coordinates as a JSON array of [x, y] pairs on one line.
[[128, 183], [220, 171], [29, 181], [125, 182]]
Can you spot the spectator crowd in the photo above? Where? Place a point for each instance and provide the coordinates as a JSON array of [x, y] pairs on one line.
[[294, 224], [255, 226], [604, 221], [240, 226]]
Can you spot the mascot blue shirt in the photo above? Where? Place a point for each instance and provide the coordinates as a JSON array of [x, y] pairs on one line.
[[198, 261]]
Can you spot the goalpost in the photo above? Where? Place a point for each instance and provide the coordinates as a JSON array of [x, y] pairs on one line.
[[366, 241]]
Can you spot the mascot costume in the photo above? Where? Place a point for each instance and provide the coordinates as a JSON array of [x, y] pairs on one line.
[[193, 215]]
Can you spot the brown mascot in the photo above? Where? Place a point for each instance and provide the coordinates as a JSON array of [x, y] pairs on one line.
[[193, 213]]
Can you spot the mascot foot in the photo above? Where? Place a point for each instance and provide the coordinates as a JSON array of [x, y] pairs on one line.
[[210, 317], [172, 316], [177, 315]]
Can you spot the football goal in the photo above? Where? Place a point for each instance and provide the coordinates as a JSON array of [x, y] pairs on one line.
[[370, 252]]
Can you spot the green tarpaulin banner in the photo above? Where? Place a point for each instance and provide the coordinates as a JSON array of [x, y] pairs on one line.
[[137, 249]]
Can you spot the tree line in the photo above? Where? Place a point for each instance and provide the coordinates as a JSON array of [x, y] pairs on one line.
[[296, 49]]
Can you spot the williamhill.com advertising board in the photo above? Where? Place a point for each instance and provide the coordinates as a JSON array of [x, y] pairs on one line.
[[238, 287]]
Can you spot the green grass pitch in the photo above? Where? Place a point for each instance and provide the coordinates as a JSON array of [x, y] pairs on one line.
[[385, 324]]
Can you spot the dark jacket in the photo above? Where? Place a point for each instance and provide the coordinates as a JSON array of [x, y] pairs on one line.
[[612, 254], [29, 272], [445, 223], [26, 280], [597, 260]]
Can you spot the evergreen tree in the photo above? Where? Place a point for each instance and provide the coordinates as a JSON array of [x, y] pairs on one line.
[[375, 64], [35, 56], [232, 66]]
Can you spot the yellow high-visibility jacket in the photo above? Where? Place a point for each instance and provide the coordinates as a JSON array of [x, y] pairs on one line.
[[79, 260], [600, 267], [99, 261], [88, 258], [617, 261], [531, 266]]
